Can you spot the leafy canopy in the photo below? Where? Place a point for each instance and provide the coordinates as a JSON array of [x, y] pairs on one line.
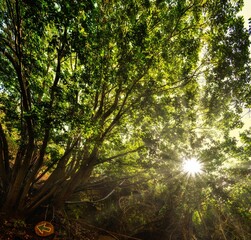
[[98, 87]]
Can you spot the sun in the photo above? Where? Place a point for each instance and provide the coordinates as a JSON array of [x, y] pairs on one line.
[[192, 166]]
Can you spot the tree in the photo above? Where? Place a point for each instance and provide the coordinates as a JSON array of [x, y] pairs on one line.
[[87, 83]]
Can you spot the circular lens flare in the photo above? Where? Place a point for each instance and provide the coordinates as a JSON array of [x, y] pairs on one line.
[[192, 166]]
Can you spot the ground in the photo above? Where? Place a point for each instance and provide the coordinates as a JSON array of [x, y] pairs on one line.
[[18, 230], [65, 229]]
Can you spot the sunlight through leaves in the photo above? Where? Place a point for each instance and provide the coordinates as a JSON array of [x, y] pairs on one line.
[[192, 166]]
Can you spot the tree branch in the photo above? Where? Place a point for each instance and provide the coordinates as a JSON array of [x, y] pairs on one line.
[[65, 155], [4, 156], [119, 155]]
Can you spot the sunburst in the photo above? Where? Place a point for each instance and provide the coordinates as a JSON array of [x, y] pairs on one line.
[[192, 166]]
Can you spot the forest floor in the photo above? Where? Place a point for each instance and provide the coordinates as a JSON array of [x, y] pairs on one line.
[[70, 230], [65, 228], [18, 230]]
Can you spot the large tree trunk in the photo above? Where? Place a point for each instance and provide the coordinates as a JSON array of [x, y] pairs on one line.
[[25, 195]]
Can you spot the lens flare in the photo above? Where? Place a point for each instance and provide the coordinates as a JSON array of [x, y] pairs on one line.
[[192, 166]]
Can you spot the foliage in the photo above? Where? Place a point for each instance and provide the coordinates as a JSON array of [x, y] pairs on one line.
[[91, 89]]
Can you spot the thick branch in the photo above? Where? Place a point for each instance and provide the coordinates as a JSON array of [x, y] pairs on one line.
[[99, 200], [4, 156], [121, 110], [62, 159], [101, 103], [48, 120], [120, 155], [114, 105]]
